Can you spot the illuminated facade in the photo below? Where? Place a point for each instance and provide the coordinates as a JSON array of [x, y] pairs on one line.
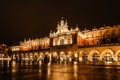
[[101, 44], [3, 52], [14, 48], [63, 36], [36, 44], [103, 36]]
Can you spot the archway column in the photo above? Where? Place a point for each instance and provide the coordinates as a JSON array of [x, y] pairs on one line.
[[117, 56]]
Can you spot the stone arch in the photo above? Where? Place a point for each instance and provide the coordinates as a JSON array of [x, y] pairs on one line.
[[26, 56], [108, 53], [62, 55], [17, 56], [31, 56], [13, 56], [94, 53], [35, 56], [70, 54], [40, 56], [54, 54], [83, 55], [47, 54], [117, 56], [22, 56]]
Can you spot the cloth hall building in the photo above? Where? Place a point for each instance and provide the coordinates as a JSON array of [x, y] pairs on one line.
[[102, 44]]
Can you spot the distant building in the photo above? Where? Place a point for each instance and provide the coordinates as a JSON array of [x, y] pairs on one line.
[[14, 48], [3, 52]]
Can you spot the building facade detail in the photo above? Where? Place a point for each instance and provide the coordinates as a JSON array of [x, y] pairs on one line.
[[63, 36]]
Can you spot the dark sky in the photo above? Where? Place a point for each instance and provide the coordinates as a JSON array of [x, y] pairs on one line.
[[21, 19]]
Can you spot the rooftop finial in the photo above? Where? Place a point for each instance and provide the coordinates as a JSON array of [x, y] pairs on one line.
[[62, 21], [76, 25], [58, 24], [62, 18], [24, 39], [66, 22]]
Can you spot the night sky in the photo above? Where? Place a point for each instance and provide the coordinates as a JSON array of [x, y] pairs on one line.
[[21, 19]]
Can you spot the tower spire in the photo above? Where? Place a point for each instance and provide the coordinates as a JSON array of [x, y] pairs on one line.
[[61, 18], [66, 22], [62, 21]]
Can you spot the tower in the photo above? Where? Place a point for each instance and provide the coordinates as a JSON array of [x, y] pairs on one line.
[[62, 26]]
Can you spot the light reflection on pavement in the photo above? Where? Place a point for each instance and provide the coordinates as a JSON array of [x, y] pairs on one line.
[[57, 71]]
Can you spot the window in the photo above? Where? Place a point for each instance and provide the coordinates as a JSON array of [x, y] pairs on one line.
[[56, 42], [108, 40], [97, 42], [62, 42], [68, 41]]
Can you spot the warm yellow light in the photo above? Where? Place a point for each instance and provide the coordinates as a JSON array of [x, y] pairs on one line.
[[76, 55]]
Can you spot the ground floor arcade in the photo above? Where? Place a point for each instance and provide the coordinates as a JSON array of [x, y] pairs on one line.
[[108, 55]]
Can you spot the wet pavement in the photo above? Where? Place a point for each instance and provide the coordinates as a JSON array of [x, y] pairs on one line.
[[56, 71]]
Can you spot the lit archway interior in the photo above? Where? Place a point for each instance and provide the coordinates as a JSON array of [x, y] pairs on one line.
[[107, 55], [22, 56], [83, 56], [31, 56], [26, 56], [47, 54], [63, 56], [54, 54], [35, 56], [40, 56], [94, 55], [70, 55]]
